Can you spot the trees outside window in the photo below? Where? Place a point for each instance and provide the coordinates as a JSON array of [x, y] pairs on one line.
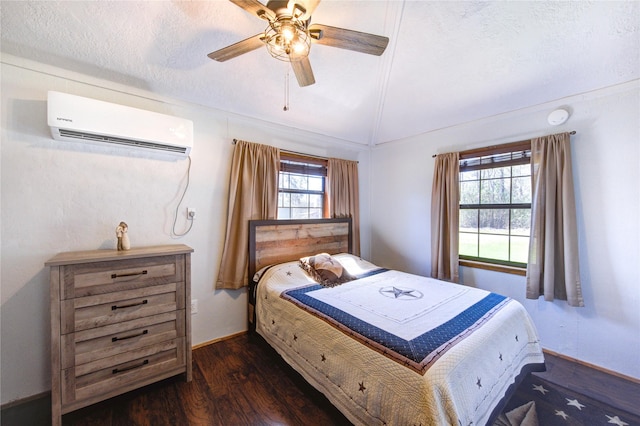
[[495, 206]]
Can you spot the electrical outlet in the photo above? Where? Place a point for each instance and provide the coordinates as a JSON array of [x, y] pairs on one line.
[[194, 306], [191, 213]]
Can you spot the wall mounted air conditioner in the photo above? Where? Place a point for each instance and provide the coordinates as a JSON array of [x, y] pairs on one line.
[[74, 118]]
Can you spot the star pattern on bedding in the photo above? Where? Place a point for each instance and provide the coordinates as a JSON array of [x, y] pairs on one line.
[[615, 420], [540, 389], [575, 403], [566, 413], [399, 293]]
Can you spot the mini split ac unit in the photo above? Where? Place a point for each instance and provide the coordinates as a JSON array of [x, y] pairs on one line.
[[74, 118]]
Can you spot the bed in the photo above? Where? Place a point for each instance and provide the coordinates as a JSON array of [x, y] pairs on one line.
[[385, 347]]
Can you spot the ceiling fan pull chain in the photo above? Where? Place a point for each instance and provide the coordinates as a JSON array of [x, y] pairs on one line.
[[286, 91]]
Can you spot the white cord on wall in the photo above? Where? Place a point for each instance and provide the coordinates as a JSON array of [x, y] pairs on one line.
[[175, 217]]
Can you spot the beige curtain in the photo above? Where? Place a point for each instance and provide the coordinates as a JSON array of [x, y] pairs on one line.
[[552, 270], [445, 207], [253, 194], [344, 196]]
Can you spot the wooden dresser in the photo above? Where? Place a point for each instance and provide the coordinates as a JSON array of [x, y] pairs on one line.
[[119, 320]]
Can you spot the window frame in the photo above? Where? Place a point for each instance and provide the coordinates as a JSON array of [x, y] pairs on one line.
[[521, 146], [306, 166]]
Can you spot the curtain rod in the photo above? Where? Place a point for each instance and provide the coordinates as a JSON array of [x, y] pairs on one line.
[[296, 153], [573, 132]]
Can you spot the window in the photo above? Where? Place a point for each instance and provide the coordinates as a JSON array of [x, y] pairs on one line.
[[495, 205], [301, 187]]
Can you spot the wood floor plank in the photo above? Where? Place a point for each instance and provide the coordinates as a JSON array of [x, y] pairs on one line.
[[199, 402]]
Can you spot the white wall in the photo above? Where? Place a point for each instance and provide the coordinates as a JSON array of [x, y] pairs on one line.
[[606, 160], [59, 196]]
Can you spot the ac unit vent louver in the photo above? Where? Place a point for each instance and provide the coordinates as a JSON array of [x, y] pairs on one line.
[[120, 141], [78, 119]]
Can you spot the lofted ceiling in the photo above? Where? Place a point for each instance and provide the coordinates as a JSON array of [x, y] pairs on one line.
[[447, 62]]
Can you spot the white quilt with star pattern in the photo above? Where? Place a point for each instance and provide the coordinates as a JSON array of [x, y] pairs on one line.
[[358, 343]]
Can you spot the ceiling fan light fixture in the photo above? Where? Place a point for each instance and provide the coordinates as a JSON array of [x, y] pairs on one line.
[[288, 32], [287, 39], [300, 48]]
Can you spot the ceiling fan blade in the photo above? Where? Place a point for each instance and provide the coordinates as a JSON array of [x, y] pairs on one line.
[[348, 39], [237, 49], [304, 73], [255, 8]]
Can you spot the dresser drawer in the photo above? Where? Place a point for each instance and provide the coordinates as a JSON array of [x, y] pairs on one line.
[[88, 312], [105, 277], [101, 342], [119, 371]]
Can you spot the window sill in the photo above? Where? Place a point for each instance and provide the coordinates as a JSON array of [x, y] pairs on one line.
[[493, 267]]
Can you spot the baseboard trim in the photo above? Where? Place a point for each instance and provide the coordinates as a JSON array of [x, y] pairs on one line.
[[219, 339], [592, 366]]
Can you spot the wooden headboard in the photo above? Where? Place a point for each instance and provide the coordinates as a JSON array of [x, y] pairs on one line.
[[278, 241]]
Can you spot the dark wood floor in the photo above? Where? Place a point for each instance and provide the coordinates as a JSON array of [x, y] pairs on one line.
[[242, 381]]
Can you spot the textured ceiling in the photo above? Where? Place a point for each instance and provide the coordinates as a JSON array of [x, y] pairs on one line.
[[447, 62]]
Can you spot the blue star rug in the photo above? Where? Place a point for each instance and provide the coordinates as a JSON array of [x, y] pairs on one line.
[[540, 403]]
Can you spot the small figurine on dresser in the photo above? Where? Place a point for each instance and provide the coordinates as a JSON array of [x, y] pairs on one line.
[[123, 237]]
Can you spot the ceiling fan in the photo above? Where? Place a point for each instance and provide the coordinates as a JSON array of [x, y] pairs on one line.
[[289, 35]]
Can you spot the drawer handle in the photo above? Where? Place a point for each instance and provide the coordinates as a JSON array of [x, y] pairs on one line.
[[122, 370], [114, 307], [131, 274], [115, 339]]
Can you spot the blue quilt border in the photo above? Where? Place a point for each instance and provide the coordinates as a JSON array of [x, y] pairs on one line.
[[416, 349]]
